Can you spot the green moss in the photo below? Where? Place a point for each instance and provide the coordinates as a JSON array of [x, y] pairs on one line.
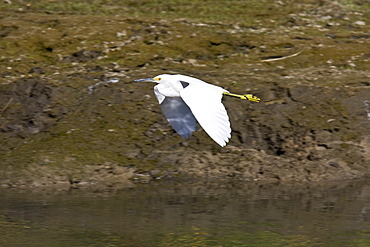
[[226, 39], [350, 136], [344, 145]]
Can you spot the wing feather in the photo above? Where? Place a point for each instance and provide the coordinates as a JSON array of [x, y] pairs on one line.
[[179, 115], [204, 100]]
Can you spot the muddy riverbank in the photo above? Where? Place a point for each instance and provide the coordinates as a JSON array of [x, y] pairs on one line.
[[71, 115]]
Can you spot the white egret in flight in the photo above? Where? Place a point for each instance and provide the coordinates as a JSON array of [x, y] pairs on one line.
[[185, 100]]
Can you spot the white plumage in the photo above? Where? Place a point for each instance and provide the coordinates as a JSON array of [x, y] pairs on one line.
[[185, 100]]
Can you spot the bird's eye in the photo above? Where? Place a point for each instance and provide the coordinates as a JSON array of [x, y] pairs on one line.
[[157, 79]]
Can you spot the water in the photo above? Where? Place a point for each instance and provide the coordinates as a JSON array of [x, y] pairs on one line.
[[190, 214]]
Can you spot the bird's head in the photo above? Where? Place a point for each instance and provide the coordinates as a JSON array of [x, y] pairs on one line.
[[157, 79]]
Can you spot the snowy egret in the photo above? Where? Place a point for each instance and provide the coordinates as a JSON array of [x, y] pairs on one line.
[[185, 100]]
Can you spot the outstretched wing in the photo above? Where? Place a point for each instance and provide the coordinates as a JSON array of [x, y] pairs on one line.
[[204, 100], [179, 115]]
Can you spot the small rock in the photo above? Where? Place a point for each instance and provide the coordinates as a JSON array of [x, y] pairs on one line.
[[360, 23], [37, 70], [334, 164]]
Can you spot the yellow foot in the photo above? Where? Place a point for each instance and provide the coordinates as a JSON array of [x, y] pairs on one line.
[[250, 97]]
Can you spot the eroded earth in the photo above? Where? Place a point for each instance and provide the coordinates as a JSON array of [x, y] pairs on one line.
[[71, 115]]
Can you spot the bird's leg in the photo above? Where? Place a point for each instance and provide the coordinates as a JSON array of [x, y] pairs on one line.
[[250, 97]]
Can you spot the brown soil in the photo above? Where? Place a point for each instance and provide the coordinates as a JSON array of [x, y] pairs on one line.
[[71, 115]]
